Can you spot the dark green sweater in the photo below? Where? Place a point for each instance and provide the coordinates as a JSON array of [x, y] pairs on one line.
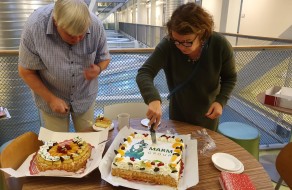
[[214, 79]]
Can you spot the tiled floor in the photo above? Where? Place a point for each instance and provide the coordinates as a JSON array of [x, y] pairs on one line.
[[275, 152]]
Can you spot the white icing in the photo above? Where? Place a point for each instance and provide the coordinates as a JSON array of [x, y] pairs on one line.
[[78, 140], [162, 151], [50, 143], [74, 155], [163, 139], [126, 143], [66, 157]]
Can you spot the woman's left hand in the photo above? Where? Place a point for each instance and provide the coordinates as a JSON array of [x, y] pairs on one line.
[[214, 111]]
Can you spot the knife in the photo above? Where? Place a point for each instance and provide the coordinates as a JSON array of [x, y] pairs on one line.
[[153, 133], [103, 141]]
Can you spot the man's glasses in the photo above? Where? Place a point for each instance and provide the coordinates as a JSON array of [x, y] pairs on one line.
[[186, 44]]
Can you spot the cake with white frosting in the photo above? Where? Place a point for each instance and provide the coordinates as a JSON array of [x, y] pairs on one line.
[[138, 159], [70, 155]]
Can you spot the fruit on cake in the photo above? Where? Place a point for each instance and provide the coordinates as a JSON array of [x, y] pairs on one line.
[[70, 155], [102, 121], [138, 159]]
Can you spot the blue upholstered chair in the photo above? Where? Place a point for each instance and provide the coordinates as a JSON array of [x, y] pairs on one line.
[[245, 135]]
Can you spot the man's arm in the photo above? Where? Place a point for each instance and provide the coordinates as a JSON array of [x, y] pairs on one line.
[[103, 65], [32, 79]]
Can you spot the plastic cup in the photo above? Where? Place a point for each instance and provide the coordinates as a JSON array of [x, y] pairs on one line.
[[123, 120]]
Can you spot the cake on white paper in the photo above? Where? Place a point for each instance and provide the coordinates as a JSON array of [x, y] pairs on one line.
[[138, 159], [70, 155]]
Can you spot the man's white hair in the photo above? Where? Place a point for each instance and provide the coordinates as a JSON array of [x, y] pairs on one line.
[[73, 16]]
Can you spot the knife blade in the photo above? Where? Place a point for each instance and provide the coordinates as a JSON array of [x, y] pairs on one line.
[[153, 133], [103, 141]]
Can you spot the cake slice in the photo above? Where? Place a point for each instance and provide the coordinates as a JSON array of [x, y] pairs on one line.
[[102, 121]]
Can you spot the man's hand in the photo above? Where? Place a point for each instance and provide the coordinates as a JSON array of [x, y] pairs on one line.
[[214, 111], [92, 72], [59, 106], [154, 113]]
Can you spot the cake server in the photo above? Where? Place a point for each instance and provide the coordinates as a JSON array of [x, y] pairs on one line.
[[153, 133]]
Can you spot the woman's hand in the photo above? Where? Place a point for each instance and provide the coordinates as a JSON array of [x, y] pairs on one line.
[[92, 72], [154, 113], [214, 111]]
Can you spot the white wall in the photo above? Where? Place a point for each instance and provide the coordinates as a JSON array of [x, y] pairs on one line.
[[141, 12], [233, 15], [214, 8], [266, 17], [159, 15]]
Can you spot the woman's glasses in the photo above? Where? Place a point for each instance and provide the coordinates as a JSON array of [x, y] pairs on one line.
[[186, 44]]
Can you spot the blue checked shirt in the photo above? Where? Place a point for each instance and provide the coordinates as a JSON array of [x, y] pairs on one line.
[[60, 65]]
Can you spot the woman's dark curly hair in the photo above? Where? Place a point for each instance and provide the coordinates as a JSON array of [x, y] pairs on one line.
[[191, 18]]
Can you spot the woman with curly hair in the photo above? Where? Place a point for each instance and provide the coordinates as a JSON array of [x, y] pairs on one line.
[[199, 67]]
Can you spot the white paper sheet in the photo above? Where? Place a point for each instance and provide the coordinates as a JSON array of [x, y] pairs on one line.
[[190, 175]]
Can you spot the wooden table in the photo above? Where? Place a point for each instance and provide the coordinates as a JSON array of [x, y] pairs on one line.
[[208, 174]]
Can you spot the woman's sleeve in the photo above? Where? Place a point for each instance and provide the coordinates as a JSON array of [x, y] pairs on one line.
[[149, 70], [228, 74]]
